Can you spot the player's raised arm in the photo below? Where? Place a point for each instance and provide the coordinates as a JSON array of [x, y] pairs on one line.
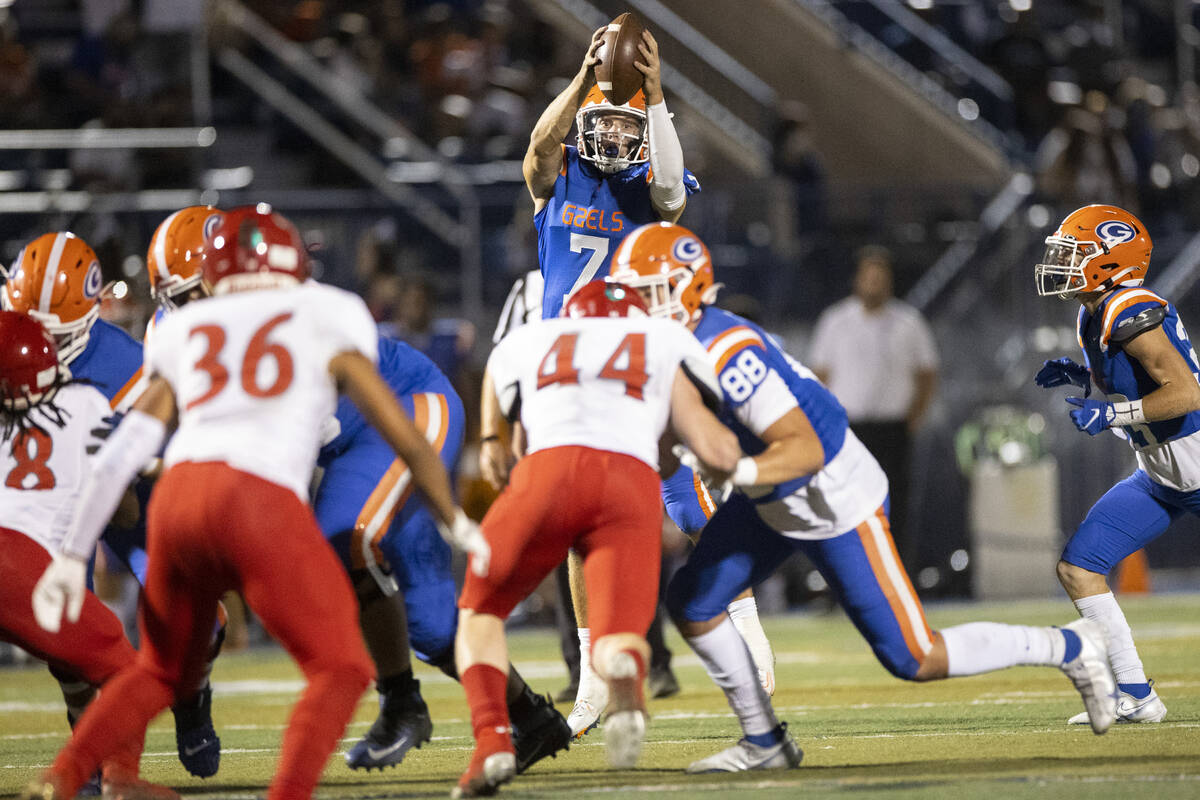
[[667, 192], [543, 159]]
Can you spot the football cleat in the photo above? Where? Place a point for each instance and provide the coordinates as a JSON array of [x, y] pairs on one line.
[[625, 728], [485, 775], [403, 723], [745, 756], [662, 683], [539, 733], [1092, 676], [196, 741], [93, 788], [589, 705], [1131, 709]]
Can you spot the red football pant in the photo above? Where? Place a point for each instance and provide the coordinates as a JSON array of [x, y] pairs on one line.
[[93, 649], [210, 529], [606, 506]]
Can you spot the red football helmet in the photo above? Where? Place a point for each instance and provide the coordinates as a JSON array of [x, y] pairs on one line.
[[1094, 249], [176, 251], [56, 280], [604, 299], [29, 368], [610, 136], [670, 266], [254, 248]]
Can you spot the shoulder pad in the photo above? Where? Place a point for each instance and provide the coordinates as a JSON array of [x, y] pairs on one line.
[[1127, 329]]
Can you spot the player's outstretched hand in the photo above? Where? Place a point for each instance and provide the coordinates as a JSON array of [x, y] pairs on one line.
[[1062, 371], [1092, 416], [61, 588], [464, 534], [651, 69], [718, 484]]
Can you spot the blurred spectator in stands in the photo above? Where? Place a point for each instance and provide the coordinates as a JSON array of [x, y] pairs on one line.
[[21, 97], [877, 355], [797, 213], [1021, 57], [1086, 156]]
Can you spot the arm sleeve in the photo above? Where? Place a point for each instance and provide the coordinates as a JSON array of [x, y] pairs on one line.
[[666, 160], [135, 441]]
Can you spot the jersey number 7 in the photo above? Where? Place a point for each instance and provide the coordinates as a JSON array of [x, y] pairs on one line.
[[558, 365]]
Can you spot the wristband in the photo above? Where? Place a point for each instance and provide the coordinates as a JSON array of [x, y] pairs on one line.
[[1128, 413], [745, 473]]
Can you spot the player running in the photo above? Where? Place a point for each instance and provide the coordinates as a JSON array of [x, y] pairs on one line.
[[56, 279], [594, 392], [810, 486], [249, 376], [1136, 351]]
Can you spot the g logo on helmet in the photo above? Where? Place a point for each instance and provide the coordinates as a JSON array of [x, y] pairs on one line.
[[687, 249], [210, 225], [93, 281], [1114, 231]]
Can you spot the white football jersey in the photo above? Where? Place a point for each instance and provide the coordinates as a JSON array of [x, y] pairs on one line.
[[597, 382], [250, 372], [44, 470]]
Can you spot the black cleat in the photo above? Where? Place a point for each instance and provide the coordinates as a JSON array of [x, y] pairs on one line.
[[403, 723], [195, 739], [662, 683], [539, 731]]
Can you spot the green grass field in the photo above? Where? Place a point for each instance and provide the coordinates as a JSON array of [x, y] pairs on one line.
[[992, 736]]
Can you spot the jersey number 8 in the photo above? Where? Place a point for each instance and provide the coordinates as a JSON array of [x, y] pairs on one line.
[[740, 378]]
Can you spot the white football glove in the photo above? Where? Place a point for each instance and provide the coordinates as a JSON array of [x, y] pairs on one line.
[[745, 473], [464, 534], [61, 588]]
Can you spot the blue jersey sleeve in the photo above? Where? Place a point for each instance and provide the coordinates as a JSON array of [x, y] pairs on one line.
[[688, 503]]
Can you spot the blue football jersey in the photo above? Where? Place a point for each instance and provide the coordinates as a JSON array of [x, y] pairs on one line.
[[1123, 378], [588, 216], [406, 371], [112, 362], [761, 382]]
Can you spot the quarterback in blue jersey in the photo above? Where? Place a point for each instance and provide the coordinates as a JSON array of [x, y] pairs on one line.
[[1137, 352], [809, 485], [56, 279], [625, 170]]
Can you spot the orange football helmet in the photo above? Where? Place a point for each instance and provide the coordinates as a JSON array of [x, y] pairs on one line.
[[56, 280], [671, 268], [599, 137], [1095, 248], [176, 250]]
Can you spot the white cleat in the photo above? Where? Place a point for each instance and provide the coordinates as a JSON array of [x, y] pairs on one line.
[[1131, 709], [745, 756], [1092, 676], [589, 705], [625, 727]]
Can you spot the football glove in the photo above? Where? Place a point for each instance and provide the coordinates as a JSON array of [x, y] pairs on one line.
[[464, 534], [1062, 371], [61, 588], [1092, 416]]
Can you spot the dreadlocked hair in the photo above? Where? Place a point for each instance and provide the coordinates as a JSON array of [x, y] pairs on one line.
[[20, 414]]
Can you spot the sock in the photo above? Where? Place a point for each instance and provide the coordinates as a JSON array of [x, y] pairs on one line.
[[744, 613], [728, 662], [519, 698], [586, 674], [1139, 690], [1122, 653], [769, 739], [400, 685], [985, 646], [484, 685]]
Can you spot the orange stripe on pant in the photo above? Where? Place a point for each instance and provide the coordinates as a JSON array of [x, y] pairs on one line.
[[893, 581], [431, 415]]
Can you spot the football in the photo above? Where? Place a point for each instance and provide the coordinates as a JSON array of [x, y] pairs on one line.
[[616, 75]]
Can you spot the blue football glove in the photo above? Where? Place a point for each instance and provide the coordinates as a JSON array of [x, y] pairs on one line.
[[1062, 371], [1092, 416]]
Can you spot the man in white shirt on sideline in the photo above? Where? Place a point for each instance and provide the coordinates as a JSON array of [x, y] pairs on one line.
[[877, 355]]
